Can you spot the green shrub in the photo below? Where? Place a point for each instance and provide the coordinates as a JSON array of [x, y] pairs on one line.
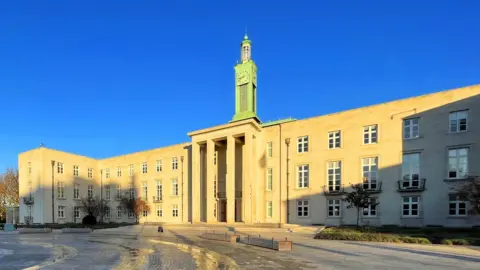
[[446, 242]]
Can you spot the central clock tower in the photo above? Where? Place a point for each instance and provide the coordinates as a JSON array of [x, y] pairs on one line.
[[245, 84]]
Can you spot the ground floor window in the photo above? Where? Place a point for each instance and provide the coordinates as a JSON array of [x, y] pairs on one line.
[[119, 212], [269, 209], [175, 210], [457, 205], [302, 208], [334, 208], [144, 213], [107, 212], [410, 206], [159, 211], [130, 214], [61, 211], [371, 210], [76, 212]]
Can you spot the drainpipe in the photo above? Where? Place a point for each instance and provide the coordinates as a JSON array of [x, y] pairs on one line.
[[287, 142], [101, 195], [181, 159], [53, 191], [280, 179]]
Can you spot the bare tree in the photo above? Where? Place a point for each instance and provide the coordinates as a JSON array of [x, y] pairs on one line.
[[471, 190], [93, 206], [9, 187], [359, 199], [134, 205]]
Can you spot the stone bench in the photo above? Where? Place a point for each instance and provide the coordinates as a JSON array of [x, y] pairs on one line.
[[225, 237], [280, 245], [77, 230], [34, 230]]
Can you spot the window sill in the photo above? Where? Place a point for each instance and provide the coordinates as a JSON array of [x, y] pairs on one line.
[[457, 217], [61, 198], [334, 217], [452, 180], [303, 217], [457, 132], [336, 148], [413, 139], [371, 217], [301, 189], [412, 217]]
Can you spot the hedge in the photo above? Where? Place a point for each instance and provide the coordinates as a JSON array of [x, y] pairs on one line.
[[372, 237]]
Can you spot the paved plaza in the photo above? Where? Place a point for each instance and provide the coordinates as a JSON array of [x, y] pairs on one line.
[[142, 247]]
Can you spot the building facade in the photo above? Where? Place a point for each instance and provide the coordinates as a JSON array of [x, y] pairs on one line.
[[411, 154]]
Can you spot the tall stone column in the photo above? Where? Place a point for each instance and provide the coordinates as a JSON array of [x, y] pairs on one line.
[[230, 181], [247, 176], [196, 178], [210, 181]]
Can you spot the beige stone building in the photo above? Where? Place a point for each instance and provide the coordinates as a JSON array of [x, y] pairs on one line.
[[409, 154]]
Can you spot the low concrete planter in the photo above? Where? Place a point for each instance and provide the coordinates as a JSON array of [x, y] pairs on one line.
[[232, 238], [280, 245], [77, 230], [34, 230]]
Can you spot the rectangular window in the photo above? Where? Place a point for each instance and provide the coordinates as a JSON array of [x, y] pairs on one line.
[[269, 209], [458, 121], [90, 191], [119, 212], [458, 163], [144, 191], [75, 170], [130, 170], [334, 139], [302, 208], [334, 208], [90, 173], [159, 191], [302, 144], [174, 163], [119, 172], [159, 165], [334, 173], [175, 187], [175, 210], [215, 186], [59, 167], [159, 211], [144, 168], [144, 213], [107, 173], [457, 205], [76, 212], [269, 179], [61, 211], [130, 214], [371, 210], [370, 134], [61, 190], [411, 170], [269, 150], [411, 206], [411, 128], [76, 191], [119, 192], [370, 172], [29, 167], [108, 192], [107, 212], [131, 191], [302, 176]]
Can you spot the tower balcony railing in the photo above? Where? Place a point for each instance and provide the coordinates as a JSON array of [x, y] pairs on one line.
[[372, 186], [157, 199], [411, 185], [333, 190], [28, 200]]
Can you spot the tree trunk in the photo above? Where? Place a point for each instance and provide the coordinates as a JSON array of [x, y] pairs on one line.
[[358, 215]]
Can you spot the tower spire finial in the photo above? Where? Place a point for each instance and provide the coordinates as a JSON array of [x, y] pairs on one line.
[[246, 35]]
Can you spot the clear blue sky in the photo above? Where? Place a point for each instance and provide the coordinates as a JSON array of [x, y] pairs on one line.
[[102, 79]]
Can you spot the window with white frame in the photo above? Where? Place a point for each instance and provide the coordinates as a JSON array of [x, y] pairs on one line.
[[159, 191], [215, 186], [175, 187], [334, 173], [107, 212], [130, 170], [159, 165], [334, 208], [370, 172], [457, 205], [75, 170], [76, 191], [131, 191], [61, 190], [90, 191], [302, 144], [269, 179], [174, 163], [130, 214], [108, 192], [302, 208], [144, 213], [411, 170], [411, 206], [76, 212], [159, 211], [302, 176], [411, 128], [119, 212], [119, 172], [269, 150], [119, 192], [107, 173], [144, 191], [29, 167], [61, 211], [458, 121], [371, 210], [175, 210], [269, 209], [144, 167], [59, 167], [90, 173], [370, 134], [334, 138], [458, 163]]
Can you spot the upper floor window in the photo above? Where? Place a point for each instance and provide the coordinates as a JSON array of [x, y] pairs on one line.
[[334, 139], [119, 172], [302, 144], [175, 187], [369, 172], [174, 163], [411, 128], [411, 170], [90, 173], [60, 167], [144, 191], [269, 150], [76, 191], [159, 165], [130, 170], [61, 190], [119, 192], [75, 170], [159, 190], [370, 134], [334, 173], [269, 179], [108, 192], [302, 176], [90, 191], [29, 167], [458, 163], [458, 121], [144, 167], [457, 205]]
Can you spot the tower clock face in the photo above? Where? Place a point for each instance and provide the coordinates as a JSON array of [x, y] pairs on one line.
[[242, 77]]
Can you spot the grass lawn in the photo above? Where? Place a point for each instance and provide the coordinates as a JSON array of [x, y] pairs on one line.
[[446, 236]]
